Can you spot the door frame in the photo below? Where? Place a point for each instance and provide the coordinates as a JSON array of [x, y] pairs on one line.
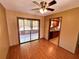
[[60, 19], [18, 28]]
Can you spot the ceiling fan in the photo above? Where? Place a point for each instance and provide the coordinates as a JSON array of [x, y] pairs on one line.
[[44, 6]]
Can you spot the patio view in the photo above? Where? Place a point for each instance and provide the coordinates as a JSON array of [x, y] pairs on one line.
[[28, 30]]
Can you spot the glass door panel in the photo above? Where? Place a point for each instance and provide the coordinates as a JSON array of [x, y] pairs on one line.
[[35, 30], [24, 30], [27, 29], [21, 30]]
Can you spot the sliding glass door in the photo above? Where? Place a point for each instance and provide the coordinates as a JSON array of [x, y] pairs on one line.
[[28, 30], [35, 30], [24, 30]]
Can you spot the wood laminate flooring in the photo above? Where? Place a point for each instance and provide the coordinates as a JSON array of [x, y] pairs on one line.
[[54, 41], [40, 49]]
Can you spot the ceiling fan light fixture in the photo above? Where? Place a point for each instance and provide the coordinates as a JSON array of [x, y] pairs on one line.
[[43, 10], [44, 6]]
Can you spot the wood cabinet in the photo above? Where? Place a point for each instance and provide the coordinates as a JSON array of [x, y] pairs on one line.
[[53, 34]]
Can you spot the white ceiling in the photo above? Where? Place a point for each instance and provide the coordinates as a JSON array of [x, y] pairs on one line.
[[26, 5]]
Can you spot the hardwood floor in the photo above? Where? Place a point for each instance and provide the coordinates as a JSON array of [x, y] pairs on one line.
[[54, 40], [40, 49]]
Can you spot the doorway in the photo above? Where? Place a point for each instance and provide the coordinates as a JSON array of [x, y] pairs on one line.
[[29, 29], [54, 30]]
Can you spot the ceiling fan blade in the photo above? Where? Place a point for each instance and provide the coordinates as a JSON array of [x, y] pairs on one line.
[[36, 9], [50, 9], [52, 3], [36, 3]]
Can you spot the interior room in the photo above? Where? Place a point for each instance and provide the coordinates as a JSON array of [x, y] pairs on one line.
[[39, 29], [54, 30]]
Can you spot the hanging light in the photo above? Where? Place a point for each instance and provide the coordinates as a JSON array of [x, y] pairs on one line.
[[43, 10]]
